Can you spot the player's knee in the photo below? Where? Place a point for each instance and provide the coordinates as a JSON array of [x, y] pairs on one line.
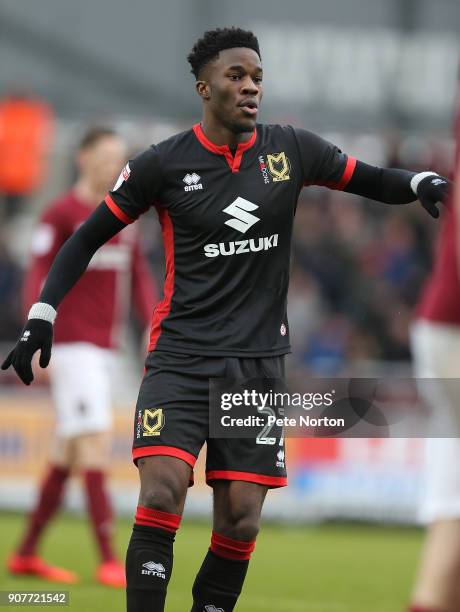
[[241, 523], [246, 529], [161, 497], [91, 451], [164, 483], [88, 461], [63, 453]]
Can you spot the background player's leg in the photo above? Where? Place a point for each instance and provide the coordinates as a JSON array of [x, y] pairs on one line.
[[436, 350], [237, 508], [149, 559], [25, 560], [437, 585], [82, 393], [92, 453], [436, 588], [49, 497]]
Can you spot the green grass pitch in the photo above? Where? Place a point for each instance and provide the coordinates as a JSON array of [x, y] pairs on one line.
[[329, 568]]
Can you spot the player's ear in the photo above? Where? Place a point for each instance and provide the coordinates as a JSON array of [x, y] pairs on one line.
[[80, 160], [203, 89]]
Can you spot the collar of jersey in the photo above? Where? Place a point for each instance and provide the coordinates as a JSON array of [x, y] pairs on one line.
[[234, 161]]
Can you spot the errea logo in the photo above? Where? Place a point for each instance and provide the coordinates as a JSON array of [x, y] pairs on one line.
[[192, 182], [280, 458], [154, 569]]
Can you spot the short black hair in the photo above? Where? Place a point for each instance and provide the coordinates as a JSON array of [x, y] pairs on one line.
[[214, 41], [93, 134]]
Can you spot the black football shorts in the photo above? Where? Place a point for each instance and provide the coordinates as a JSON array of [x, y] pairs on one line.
[[172, 417]]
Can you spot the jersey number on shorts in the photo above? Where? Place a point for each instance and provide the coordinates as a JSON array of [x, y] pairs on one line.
[[263, 437]]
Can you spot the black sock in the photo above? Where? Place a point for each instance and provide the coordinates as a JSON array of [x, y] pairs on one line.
[[149, 561], [218, 584]]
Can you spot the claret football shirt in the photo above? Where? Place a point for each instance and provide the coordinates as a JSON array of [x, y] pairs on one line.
[[226, 219], [117, 272], [439, 300]]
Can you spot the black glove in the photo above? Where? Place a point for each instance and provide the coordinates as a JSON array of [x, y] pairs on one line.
[[430, 190], [36, 335]]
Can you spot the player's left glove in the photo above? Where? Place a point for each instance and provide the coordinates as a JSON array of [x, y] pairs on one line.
[[430, 188], [37, 335]]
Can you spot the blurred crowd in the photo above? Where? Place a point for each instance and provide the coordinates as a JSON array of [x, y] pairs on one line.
[[357, 270], [357, 267]]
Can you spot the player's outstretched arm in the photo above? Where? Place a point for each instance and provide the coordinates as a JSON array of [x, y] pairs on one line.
[[393, 186], [324, 164], [68, 266]]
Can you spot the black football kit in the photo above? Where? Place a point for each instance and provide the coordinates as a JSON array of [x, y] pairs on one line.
[[227, 226]]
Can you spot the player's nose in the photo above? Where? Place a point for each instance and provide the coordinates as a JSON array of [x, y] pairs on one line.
[[248, 87]]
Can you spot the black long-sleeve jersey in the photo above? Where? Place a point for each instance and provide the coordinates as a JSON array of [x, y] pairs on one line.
[[226, 220]]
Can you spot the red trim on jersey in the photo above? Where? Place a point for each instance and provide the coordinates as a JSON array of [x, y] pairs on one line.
[[269, 481], [117, 210], [346, 177], [233, 162], [157, 518], [162, 309], [229, 548], [165, 451]]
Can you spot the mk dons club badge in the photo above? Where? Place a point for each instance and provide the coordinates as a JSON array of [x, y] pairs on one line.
[[279, 167], [152, 422]]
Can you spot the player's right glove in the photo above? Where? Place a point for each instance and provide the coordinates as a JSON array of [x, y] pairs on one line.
[[430, 188], [37, 335]]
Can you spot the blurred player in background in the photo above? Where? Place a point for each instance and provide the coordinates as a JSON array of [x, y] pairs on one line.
[[436, 351], [224, 310], [86, 334]]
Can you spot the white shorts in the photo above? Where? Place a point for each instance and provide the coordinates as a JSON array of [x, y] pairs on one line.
[[436, 352], [80, 375]]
